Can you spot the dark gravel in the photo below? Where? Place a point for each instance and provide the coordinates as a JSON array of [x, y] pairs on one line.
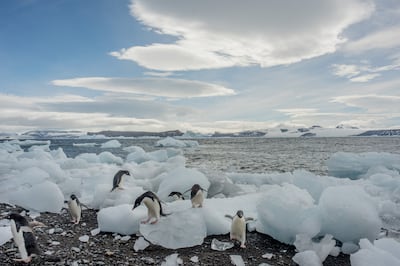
[[63, 247]]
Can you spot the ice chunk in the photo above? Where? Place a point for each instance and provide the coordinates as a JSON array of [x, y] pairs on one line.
[[120, 219], [181, 179], [267, 256], [171, 142], [5, 234], [111, 144], [43, 197], [286, 211], [194, 259], [220, 245], [354, 166], [84, 238], [378, 254], [349, 214], [237, 260], [172, 260], [322, 248], [95, 231], [349, 248], [307, 258], [140, 244], [181, 229]]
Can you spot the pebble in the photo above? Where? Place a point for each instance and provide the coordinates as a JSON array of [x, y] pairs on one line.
[[51, 231], [84, 238], [76, 249]]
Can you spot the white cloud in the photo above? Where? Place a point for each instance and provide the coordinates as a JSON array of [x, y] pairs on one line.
[[224, 33], [383, 39], [364, 78], [372, 103], [362, 72], [161, 87]]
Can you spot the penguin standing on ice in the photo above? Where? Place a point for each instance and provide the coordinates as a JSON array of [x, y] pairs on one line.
[[23, 237], [238, 227], [117, 181], [153, 204], [75, 209], [176, 195], [196, 195]]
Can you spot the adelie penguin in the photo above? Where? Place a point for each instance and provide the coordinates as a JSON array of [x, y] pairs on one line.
[[196, 195], [176, 195], [153, 204], [23, 237], [117, 181], [238, 227], [75, 209]]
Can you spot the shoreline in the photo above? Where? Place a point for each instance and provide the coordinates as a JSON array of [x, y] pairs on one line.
[[63, 247]]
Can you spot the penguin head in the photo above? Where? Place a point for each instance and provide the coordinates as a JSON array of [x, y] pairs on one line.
[[18, 219], [125, 172], [147, 194], [73, 197], [239, 213]]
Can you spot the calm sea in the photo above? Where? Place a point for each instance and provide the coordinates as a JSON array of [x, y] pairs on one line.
[[251, 155]]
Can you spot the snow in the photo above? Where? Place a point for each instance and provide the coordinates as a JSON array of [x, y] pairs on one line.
[[359, 197]]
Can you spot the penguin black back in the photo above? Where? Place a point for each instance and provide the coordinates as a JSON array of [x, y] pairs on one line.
[[18, 219], [152, 196], [118, 177]]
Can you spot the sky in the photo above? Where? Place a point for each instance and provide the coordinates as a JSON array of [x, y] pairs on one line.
[[201, 66]]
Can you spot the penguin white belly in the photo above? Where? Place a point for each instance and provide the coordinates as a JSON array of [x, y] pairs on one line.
[[75, 210], [153, 208], [197, 200], [238, 229], [19, 240]]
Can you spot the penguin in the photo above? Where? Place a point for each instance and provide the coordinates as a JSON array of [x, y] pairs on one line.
[[23, 237], [153, 204], [176, 195], [75, 209], [117, 181], [196, 195], [238, 227]]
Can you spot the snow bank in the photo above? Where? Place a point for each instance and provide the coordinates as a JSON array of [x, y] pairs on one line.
[[111, 144]]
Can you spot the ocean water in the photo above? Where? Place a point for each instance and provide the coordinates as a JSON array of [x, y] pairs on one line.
[[250, 155]]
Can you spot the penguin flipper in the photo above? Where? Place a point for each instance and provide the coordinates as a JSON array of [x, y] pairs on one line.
[[249, 219], [229, 216]]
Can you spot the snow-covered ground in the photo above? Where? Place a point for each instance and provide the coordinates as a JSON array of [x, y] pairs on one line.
[[360, 197]]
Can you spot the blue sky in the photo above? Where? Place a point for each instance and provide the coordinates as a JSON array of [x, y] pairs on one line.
[[203, 66]]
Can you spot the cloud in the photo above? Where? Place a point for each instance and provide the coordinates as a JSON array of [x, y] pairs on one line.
[[363, 72], [216, 34], [160, 87], [383, 39], [372, 103]]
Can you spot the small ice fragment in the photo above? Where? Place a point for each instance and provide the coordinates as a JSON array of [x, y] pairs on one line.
[[267, 256], [194, 259], [117, 237], [34, 215], [172, 260], [48, 252], [55, 243], [84, 238], [140, 244], [220, 246], [51, 231], [237, 260], [125, 238], [95, 231]]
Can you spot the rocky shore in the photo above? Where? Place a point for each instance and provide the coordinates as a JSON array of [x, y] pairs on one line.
[[63, 243]]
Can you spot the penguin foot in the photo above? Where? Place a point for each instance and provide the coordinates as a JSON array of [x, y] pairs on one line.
[[153, 222], [26, 260], [243, 246]]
